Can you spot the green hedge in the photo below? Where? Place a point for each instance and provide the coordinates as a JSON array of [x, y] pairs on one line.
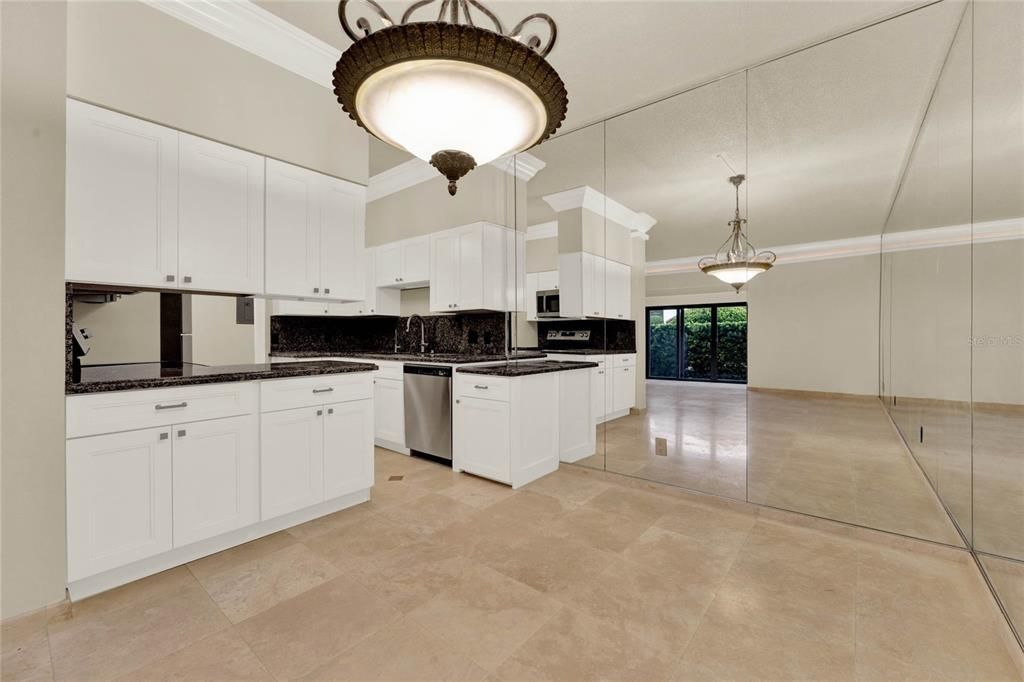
[[732, 344]]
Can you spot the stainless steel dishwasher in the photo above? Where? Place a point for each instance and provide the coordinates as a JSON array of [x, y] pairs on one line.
[[428, 411]]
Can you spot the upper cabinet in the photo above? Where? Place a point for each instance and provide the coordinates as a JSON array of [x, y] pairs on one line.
[[122, 199], [149, 206], [593, 286], [220, 217], [404, 264], [315, 231], [617, 298], [474, 268]]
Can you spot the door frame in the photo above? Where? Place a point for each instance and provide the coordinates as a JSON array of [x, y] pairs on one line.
[[680, 349]]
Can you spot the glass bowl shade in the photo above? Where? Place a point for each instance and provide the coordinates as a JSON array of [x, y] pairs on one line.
[[428, 105]]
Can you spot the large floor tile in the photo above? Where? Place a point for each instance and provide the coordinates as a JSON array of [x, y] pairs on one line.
[[223, 656], [302, 633], [401, 651], [26, 646], [104, 644], [348, 547], [243, 590], [486, 615], [551, 564], [599, 529]]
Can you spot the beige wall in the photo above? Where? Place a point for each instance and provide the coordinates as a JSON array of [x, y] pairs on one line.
[[126, 330], [542, 254], [33, 562], [814, 326], [216, 338], [138, 60], [687, 284], [485, 194]]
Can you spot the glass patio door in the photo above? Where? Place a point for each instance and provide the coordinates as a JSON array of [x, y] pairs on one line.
[[697, 343]]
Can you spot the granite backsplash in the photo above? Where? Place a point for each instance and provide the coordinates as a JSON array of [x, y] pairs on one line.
[[477, 333], [613, 335]]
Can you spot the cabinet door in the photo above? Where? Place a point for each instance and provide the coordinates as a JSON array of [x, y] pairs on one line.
[[305, 308], [416, 260], [348, 447], [119, 499], [532, 287], [342, 239], [122, 199], [444, 271], [624, 387], [220, 217], [292, 231], [597, 269], [469, 267], [547, 280], [598, 393], [216, 477], [389, 410], [481, 441], [618, 288], [291, 460], [388, 265]]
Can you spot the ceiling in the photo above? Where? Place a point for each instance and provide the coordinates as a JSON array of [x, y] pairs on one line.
[[616, 55]]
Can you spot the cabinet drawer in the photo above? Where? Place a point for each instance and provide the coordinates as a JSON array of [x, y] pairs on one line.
[[286, 394], [389, 370], [97, 413], [481, 386], [623, 360]]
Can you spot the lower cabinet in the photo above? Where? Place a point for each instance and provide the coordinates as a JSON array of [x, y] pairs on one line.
[[119, 499], [481, 438], [624, 388], [291, 461], [348, 447], [216, 471], [389, 408]]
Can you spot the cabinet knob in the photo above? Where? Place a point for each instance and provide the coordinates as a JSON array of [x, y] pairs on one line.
[[188, 279], [327, 291], [319, 413], [371, 310], [458, 402], [164, 436], [330, 410], [316, 290], [169, 278], [181, 433]]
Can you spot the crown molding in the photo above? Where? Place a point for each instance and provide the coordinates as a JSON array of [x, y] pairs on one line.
[[260, 32], [542, 231], [874, 244], [639, 224], [415, 171]]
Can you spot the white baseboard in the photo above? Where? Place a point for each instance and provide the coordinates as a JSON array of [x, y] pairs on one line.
[[392, 446], [101, 582]]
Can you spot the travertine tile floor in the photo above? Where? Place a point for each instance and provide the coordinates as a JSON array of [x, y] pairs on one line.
[[581, 575]]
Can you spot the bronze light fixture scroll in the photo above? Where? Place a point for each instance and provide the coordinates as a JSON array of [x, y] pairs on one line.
[[737, 261], [449, 91]]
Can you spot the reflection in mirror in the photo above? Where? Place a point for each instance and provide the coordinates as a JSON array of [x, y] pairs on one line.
[[830, 130], [565, 270], [998, 300], [668, 166]]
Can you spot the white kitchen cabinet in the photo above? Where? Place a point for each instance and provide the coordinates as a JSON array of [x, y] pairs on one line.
[[577, 435], [581, 279], [314, 231], [291, 460], [118, 499], [548, 279], [348, 438], [481, 440], [619, 299], [122, 199], [403, 264], [377, 301], [473, 268], [216, 475], [506, 428], [389, 413], [535, 282], [599, 392], [623, 388], [220, 217], [307, 308]]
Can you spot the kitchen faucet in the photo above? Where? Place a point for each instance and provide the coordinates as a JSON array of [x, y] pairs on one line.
[[423, 333]]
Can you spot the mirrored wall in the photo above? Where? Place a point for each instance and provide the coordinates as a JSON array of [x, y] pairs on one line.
[[875, 375]]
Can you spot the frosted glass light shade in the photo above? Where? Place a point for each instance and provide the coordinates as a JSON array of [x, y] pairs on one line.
[[429, 105], [738, 274]]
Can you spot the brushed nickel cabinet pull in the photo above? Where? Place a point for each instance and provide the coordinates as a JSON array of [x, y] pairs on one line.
[[188, 279], [316, 290], [164, 436], [181, 433], [322, 390], [319, 413], [327, 291], [330, 410], [480, 387], [172, 406], [169, 278]]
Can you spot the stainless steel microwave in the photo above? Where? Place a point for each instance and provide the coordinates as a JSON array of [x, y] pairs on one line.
[[547, 303]]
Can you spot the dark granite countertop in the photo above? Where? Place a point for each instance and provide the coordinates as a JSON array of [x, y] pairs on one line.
[[127, 377], [587, 351], [444, 358], [522, 369]]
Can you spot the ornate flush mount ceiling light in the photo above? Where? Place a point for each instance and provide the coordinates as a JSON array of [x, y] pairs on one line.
[[737, 261], [448, 91]]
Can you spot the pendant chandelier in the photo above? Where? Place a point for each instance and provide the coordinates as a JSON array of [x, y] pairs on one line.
[[448, 91], [737, 261]]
